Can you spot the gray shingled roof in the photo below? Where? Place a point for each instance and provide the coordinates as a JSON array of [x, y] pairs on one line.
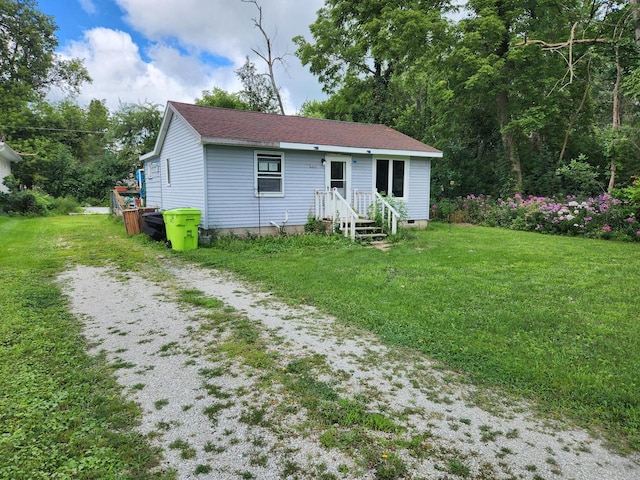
[[221, 125]]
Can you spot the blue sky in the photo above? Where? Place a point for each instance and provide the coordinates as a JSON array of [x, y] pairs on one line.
[[160, 50]]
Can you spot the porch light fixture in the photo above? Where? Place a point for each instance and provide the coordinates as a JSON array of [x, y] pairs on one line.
[[323, 161]]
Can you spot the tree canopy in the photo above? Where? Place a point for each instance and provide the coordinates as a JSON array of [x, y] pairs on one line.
[[29, 65], [532, 97], [511, 92]]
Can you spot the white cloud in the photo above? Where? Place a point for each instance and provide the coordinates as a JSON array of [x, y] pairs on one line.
[[180, 34], [221, 26], [121, 75], [88, 6]]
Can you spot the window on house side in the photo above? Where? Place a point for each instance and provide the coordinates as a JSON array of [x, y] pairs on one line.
[[269, 174], [397, 179], [390, 177], [168, 172]]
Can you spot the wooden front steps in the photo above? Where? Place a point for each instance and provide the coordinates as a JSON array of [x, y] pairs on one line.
[[368, 230]]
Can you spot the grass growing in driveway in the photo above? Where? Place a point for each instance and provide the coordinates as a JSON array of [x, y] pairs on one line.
[[61, 414], [554, 318]]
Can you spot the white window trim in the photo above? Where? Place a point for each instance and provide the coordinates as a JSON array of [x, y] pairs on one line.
[[391, 158], [256, 154], [167, 165]]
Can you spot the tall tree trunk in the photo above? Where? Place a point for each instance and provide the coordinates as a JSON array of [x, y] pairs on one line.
[[615, 122], [574, 117], [508, 139], [268, 58]]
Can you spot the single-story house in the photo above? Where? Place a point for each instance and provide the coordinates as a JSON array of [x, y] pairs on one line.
[[258, 172], [7, 155]]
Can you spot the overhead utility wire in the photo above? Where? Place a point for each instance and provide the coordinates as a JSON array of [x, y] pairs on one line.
[[53, 129]]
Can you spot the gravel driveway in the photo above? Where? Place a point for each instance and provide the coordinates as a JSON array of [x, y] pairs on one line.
[[221, 408]]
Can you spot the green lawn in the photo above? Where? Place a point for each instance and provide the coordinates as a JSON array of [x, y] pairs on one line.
[[553, 318]]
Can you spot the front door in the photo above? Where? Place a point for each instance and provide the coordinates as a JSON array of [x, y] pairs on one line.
[[338, 176]]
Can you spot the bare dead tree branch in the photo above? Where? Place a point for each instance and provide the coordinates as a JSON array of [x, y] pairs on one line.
[[560, 45], [574, 117], [268, 57]]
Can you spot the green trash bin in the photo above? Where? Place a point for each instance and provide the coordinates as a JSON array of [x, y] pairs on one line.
[[182, 227]]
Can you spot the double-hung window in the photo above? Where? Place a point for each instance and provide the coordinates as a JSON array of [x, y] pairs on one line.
[[269, 168], [391, 177]]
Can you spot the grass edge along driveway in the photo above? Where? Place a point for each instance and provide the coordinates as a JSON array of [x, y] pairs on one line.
[[61, 411]]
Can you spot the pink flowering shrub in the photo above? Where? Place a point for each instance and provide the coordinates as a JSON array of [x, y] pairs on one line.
[[600, 217]]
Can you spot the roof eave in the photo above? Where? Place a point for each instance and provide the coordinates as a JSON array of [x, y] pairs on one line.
[[164, 127], [239, 142], [360, 150], [9, 153]]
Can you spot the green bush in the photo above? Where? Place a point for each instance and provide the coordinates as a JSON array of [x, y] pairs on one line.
[[64, 206], [31, 203], [314, 225], [382, 217], [631, 193]]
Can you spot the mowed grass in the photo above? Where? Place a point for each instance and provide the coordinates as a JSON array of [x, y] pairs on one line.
[[556, 319], [61, 412], [552, 318]]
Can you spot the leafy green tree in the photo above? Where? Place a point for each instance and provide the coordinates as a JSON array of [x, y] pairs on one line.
[[221, 98], [313, 109], [96, 127], [515, 88], [28, 63], [360, 46], [29, 68], [257, 91], [605, 33], [506, 107], [97, 178], [580, 178], [133, 131]]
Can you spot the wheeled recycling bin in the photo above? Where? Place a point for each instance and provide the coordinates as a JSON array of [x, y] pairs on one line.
[[182, 227], [153, 225]]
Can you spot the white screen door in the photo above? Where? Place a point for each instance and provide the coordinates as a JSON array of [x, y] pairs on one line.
[[338, 175]]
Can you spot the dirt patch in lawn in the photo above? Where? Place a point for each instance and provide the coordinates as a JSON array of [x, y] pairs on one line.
[[234, 384]]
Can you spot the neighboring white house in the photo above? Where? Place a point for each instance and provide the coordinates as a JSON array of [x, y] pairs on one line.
[[7, 155], [250, 171]]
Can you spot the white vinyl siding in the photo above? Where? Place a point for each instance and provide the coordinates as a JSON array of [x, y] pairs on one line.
[[361, 173], [153, 183], [418, 204], [182, 165], [232, 200], [5, 170]]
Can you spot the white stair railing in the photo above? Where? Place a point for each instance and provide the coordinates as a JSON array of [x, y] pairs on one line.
[[330, 205], [361, 202], [388, 214]]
